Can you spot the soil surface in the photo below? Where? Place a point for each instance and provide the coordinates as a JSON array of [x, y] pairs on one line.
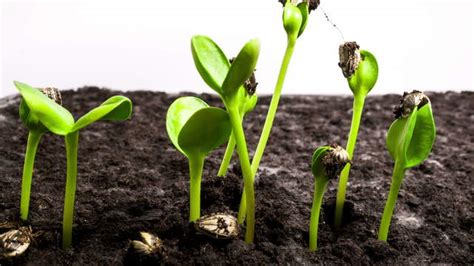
[[131, 179]]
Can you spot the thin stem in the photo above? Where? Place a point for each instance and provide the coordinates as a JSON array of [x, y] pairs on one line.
[[196, 164], [30, 153], [246, 171], [397, 178], [227, 156], [358, 107], [320, 186], [267, 127], [72, 141]]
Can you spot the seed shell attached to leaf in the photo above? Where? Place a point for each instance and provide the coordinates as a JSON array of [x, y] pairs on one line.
[[349, 58], [15, 242], [408, 103], [53, 94], [218, 225], [335, 160]]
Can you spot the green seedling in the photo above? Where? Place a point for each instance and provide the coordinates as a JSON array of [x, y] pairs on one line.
[[36, 131], [360, 68], [326, 164], [410, 139], [295, 19], [227, 80], [195, 129], [42, 114]]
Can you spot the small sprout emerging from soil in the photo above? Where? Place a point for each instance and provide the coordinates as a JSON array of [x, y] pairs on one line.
[[360, 68], [15, 242], [228, 80], [410, 139], [218, 225], [42, 114], [327, 163], [196, 129], [36, 131], [149, 244]]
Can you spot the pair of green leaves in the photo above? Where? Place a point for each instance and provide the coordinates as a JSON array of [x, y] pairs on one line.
[[225, 78], [195, 128], [295, 19], [41, 113], [410, 139], [365, 76]]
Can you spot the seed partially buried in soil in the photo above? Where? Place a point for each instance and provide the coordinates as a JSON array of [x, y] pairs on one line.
[[408, 103], [15, 242], [150, 244], [349, 58], [218, 225]]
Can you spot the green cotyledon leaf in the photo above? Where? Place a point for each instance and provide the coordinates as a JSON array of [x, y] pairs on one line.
[[316, 162], [116, 108], [411, 139], [52, 115], [205, 130], [210, 61], [179, 113], [241, 69], [366, 74]]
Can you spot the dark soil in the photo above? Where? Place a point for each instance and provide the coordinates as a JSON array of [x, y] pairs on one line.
[[131, 179]]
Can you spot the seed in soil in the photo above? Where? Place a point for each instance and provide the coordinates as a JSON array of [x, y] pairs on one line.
[[218, 225]]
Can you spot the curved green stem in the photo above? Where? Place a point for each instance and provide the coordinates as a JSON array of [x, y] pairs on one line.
[[320, 186], [31, 148], [229, 151], [267, 127], [357, 109], [246, 171], [397, 178], [196, 165], [72, 141]]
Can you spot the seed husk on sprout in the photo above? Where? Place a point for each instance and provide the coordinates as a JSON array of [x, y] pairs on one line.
[[408, 102], [349, 58]]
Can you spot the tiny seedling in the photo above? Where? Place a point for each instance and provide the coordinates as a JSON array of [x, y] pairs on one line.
[[36, 131], [410, 139], [37, 108], [360, 68], [326, 164], [227, 80], [195, 129]]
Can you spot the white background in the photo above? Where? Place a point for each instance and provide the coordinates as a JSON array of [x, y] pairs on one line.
[[130, 45]]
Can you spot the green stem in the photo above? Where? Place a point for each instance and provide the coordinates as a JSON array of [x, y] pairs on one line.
[[227, 156], [72, 140], [358, 107], [397, 178], [31, 148], [267, 127], [196, 164], [246, 171], [320, 186]]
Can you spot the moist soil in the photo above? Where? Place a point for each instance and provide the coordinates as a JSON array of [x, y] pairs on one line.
[[132, 179]]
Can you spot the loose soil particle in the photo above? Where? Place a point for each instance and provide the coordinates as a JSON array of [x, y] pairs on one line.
[[131, 179]]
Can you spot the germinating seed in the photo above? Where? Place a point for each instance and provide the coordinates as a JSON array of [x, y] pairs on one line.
[[218, 225], [150, 244], [15, 242]]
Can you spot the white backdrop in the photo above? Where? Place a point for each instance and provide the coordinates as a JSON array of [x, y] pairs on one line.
[[129, 45]]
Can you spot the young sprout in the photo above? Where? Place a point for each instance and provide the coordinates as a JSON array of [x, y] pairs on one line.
[[36, 106], [410, 139], [227, 80], [195, 129], [326, 163], [295, 19], [36, 131], [360, 69]]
